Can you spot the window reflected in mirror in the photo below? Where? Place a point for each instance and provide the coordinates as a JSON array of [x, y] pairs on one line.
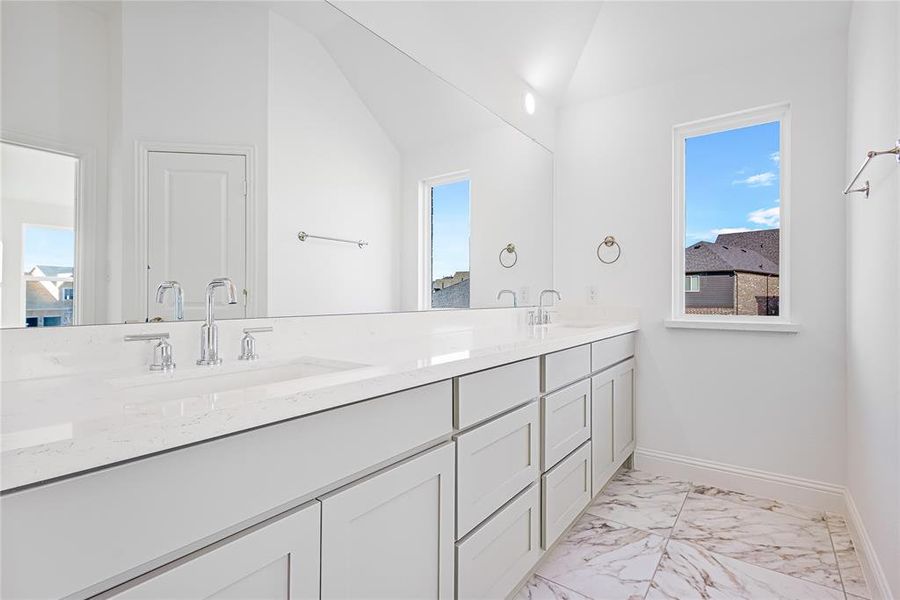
[[37, 210], [450, 230]]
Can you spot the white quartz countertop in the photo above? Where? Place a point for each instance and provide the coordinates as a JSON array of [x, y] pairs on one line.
[[63, 425]]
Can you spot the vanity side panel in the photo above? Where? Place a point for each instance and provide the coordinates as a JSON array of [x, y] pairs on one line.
[[116, 523]]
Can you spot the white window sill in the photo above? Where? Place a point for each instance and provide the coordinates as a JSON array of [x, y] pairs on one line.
[[733, 325]]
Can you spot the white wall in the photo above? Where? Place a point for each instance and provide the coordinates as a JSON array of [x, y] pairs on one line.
[[873, 281], [511, 179], [332, 171], [54, 64], [765, 401], [175, 58]]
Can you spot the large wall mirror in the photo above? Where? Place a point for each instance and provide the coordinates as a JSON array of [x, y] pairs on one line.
[[279, 144]]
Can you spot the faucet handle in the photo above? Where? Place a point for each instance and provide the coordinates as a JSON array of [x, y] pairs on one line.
[[248, 342], [163, 357]]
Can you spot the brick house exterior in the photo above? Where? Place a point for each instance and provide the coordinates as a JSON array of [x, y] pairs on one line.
[[735, 275]]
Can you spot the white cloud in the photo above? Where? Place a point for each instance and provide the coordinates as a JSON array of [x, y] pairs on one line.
[[759, 180], [717, 232], [775, 157], [770, 217]]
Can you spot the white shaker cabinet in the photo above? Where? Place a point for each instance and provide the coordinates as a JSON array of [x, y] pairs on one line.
[[623, 410], [612, 421], [277, 560], [391, 535]]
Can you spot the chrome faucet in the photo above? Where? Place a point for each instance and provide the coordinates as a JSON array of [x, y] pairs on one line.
[[515, 298], [209, 331], [179, 297], [543, 317]]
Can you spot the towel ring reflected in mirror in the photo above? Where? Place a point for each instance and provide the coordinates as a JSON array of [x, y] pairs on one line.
[[609, 241], [510, 248]]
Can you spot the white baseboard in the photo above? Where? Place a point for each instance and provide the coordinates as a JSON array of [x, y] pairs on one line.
[[787, 488], [872, 569]]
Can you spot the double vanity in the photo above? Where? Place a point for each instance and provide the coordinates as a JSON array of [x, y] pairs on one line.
[[430, 455]]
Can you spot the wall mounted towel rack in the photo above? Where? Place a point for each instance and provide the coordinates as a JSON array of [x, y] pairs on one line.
[[303, 236], [869, 156]]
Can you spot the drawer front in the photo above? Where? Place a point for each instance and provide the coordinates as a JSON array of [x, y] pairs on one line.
[[566, 366], [495, 462], [602, 464], [116, 526], [480, 396], [566, 422], [566, 490], [495, 558], [606, 353]]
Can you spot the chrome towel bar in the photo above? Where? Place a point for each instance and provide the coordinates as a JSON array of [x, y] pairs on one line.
[[303, 236], [869, 156]]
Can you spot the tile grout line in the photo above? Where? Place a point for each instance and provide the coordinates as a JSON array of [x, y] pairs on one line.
[[666, 542], [837, 563], [565, 587]]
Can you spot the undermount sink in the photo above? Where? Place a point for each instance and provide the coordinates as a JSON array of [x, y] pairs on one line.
[[194, 381]]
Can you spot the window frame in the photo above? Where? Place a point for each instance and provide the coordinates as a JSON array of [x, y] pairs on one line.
[[780, 112], [692, 278], [426, 278]]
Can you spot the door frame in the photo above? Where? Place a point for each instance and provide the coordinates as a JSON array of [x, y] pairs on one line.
[[84, 225], [141, 232]]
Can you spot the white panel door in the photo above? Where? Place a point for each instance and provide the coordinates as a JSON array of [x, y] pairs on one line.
[[196, 206], [276, 561], [391, 535]]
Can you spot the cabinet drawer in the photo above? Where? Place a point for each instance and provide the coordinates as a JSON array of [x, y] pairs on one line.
[[495, 558], [608, 352], [494, 462], [566, 422], [566, 490], [565, 366], [480, 396]]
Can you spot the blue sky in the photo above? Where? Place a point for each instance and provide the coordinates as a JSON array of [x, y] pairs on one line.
[[450, 228], [48, 246], [732, 182]]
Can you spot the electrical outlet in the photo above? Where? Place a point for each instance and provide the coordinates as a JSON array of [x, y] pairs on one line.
[[524, 296], [593, 295]]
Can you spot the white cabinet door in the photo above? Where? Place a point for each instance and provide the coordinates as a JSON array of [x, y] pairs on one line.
[[602, 464], [391, 535], [623, 410], [276, 560]]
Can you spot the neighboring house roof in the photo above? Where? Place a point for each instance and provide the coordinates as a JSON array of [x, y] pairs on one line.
[[706, 257], [452, 296], [39, 297], [763, 241], [51, 271]]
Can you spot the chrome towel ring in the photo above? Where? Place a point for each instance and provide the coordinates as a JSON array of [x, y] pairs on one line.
[[609, 241], [510, 248]]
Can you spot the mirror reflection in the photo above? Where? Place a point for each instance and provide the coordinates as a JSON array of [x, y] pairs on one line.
[[151, 147]]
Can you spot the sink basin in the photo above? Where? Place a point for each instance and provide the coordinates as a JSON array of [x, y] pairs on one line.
[[193, 381]]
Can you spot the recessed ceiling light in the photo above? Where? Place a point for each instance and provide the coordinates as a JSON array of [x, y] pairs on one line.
[[529, 103]]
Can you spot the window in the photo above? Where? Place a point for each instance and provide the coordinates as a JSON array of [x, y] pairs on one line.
[[48, 254], [731, 219], [447, 247]]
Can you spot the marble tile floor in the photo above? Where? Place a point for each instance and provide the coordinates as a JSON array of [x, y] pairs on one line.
[[651, 537]]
